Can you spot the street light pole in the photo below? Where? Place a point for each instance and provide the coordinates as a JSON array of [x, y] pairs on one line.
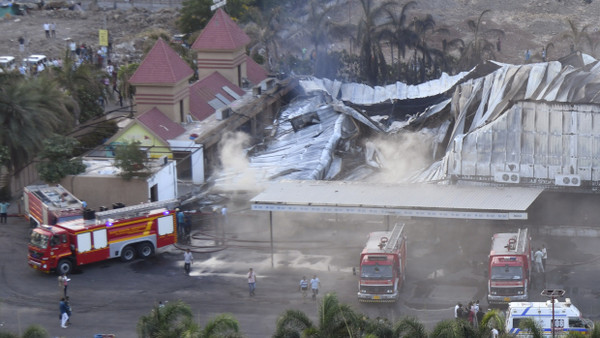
[[553, 294]]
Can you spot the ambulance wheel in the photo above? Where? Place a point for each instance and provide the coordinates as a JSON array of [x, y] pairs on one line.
[[145, 249], [64, 267], [127, 254]]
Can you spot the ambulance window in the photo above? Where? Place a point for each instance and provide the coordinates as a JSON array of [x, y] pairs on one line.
[[575, 322], [84, 242], [516, 322], [100, 239]]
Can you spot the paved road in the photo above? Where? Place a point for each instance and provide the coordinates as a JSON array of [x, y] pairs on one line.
[[444, 266]]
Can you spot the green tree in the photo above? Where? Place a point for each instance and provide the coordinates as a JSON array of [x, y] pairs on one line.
[[8, 335], [31, 110], [83, 86], [172, 320], [335, 320], [452, 328], [492, 318], [35, 331], [57, 159], [223, 325], [410, 327], [131, 159], [126, 90], [528, 324]]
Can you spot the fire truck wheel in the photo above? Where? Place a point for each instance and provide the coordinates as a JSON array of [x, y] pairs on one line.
[[127, 254], [145, 249], [64, 267]]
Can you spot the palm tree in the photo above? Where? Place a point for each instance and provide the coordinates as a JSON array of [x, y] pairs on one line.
[[528, 324], [223, 325], [335, 320], [492, 318], [369, 34], [478, 49], [319, 28], [171, 320], [452, 328], [31, 110], [410, 327], [576, 36]]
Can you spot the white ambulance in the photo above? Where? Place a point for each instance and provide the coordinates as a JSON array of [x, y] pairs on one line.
[[566, 318]]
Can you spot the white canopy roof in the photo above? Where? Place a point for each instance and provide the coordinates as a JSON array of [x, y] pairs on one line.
[[413, 200]]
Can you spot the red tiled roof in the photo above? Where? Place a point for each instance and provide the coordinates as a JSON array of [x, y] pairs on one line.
[[160, 124], [221, 33], [161, 65], [254, 71], [206, 90]]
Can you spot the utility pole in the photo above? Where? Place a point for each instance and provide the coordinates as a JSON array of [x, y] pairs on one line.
[[553, 294]]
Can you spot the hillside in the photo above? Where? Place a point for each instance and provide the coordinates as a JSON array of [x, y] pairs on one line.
[[527, 24]]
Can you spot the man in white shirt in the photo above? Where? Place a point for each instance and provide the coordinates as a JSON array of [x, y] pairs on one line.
[[315, 283], [251, 281], [188, 259], [537, 258], [545, 256]]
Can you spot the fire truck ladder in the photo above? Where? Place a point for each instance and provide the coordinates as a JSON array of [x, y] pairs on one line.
[[135, 210], [396, 236], [520, 239]]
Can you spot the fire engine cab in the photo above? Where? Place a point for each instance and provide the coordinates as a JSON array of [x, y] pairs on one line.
[[125, 233], [382, 266]]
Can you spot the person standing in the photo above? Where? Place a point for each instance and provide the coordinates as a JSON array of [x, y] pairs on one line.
[[63, 283], [315, 283], [544, 256], [303, 286], [21, 44], [537, 258], [494, 333], [64, 316], [498, 44], [527, 55], [251, 281], [3, 211], [47, 30], [180, 221], [53, 29], [458, 311], [544, 54], [188, 259]]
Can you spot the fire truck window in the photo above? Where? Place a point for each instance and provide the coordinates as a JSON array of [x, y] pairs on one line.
[[63, 238], [100, 239], [55, 241], [165, 225], [84, 242]]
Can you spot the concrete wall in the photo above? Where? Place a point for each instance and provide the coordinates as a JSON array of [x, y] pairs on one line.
[[224, 62], [105, 190]]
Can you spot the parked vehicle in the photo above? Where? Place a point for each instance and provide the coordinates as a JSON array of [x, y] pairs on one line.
[[7, 64], [567, 318], [383, 266], [45, 204], [509, 267], [125, 233], [35, 59]]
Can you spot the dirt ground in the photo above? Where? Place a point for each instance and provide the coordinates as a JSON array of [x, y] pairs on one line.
[[527, 24]]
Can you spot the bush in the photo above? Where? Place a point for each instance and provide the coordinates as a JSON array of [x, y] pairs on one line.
[[35, 331]]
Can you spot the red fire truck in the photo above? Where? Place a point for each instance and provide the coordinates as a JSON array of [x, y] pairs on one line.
[[509, 269], [383, 266], [124, 232], [45, 204]]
